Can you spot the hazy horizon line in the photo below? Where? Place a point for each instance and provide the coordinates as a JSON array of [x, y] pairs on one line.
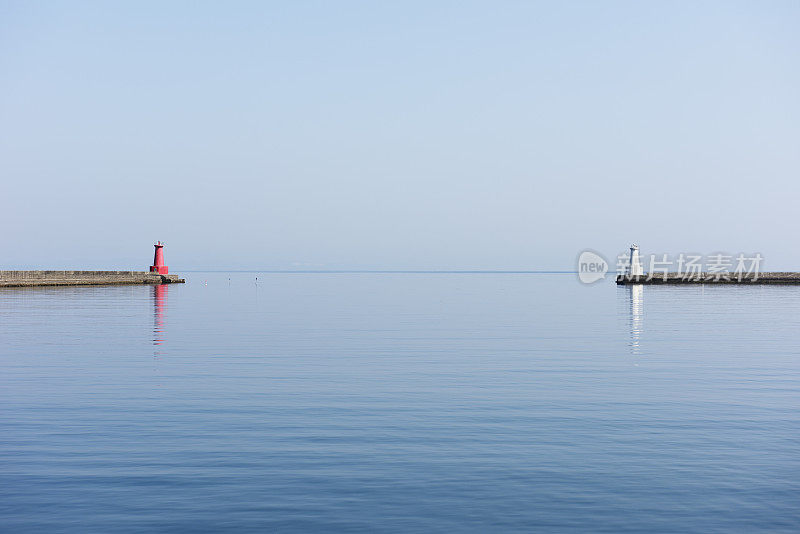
[[379, 271]]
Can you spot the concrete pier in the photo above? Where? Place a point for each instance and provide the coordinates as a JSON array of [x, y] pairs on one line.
[[785, 278], [84, 278]]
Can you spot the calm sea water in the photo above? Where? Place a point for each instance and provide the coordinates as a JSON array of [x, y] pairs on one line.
[[399, 403]]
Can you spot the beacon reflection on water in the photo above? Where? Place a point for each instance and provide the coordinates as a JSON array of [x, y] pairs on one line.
[[636, 317], [159, 312]]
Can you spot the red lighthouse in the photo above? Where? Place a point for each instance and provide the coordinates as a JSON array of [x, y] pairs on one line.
[[158, 261]]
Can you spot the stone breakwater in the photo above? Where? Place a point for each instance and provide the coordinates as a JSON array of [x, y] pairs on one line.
[[84, 278], [786, 278]]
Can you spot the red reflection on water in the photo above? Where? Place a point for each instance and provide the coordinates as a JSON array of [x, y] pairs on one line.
[[159, 312]]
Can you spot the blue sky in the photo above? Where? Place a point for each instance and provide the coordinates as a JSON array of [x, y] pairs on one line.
[[430, 135]]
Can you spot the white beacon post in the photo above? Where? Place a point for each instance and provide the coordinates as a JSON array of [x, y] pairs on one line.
[[635, 266]]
